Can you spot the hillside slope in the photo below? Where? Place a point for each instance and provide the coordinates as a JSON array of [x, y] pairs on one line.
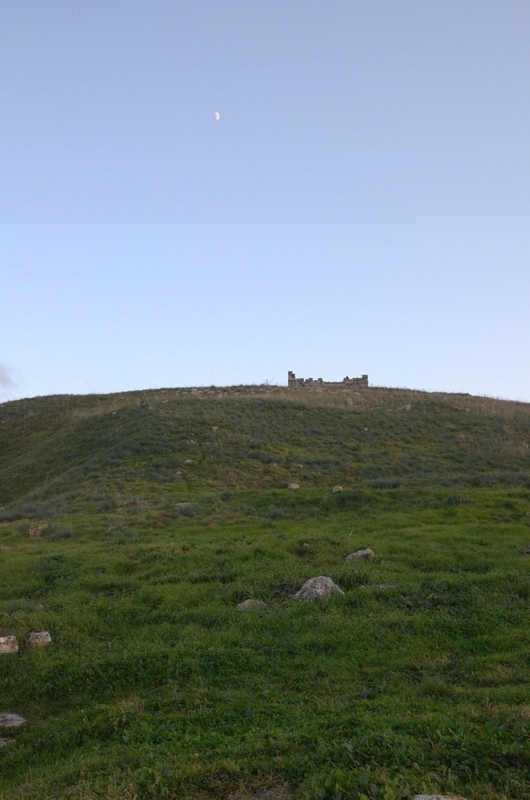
[[261, 438], [133, 524]]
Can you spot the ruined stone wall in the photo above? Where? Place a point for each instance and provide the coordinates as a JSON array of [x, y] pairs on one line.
[[359, 383]]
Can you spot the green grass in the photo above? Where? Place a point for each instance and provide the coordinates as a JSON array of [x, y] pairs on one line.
[[156, 687]]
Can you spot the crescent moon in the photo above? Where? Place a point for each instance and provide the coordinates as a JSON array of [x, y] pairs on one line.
[[217, 115]]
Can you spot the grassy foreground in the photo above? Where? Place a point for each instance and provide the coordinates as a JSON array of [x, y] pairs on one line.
[[417, 679]]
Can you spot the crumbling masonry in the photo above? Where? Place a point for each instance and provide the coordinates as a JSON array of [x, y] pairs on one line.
[[359, 383]]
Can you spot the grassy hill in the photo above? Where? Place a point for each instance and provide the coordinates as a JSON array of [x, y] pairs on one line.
[[164, 509]]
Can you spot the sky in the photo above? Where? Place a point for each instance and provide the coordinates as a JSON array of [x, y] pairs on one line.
[[361, 206]]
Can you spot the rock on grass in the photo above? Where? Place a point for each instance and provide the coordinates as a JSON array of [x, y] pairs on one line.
[[11, 720], [39, 639], [8, 644], [361, 555], [317, 589], [251, 603], [438, 797]]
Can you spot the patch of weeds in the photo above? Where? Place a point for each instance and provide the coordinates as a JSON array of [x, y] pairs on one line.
[[107, 504], [275, 513], [369, 692], [455, 599], [23, 528], [235, 592], [303, 549], [455, 500], [385, 483], [435, 687], [35, 510], [53, 533], [344, 779], [187, 509], [213, 576], [284, 588], [21, 605], [52, 569], [349, 499], [426, 568], [122, 535], [144, 557], [351, 578]]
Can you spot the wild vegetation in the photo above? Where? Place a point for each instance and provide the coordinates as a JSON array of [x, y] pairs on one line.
[[161, 511]]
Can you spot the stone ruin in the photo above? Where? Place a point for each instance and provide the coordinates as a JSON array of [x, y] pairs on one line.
[[359, 383]]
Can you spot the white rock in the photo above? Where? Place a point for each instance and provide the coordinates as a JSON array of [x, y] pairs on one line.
[[293, 486], [317, 589], [438, 797], [39, 639], [361, 555], [251, 603], [337, 489], [11, 720], [36, 530], [8, 644]]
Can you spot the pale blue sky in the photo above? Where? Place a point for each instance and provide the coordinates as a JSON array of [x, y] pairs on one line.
[[362, 205]]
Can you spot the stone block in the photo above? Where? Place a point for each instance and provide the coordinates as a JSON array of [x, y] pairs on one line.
[[361, 555], [8, 644], [39, 639]]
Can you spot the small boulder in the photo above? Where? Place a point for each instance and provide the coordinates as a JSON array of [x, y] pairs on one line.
[[438, 797], [3, 742], [8, 644], [215, 428], [293, 486], [337, 489], [251, 603], [11, 720], [36, 530], [361, 555], [39, 639], [317, 589]]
